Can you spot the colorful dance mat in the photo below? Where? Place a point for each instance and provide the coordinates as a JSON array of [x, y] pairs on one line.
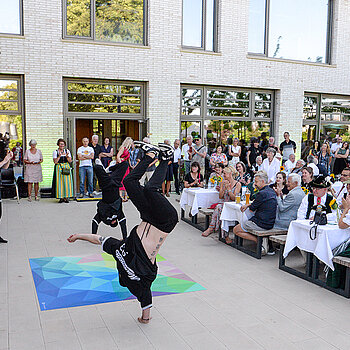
[[70, 281]]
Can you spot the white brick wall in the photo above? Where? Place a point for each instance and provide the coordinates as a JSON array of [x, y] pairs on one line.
[[44, 59]]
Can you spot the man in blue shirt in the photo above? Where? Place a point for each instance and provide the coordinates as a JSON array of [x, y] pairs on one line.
[[264, 207]]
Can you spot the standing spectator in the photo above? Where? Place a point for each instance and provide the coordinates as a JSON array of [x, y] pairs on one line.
[[253, 151], [62, 184], [123, 155], [198, 154], [166, 185], [287, 147], [4, 165], [243, 157], [315, 149], [97, 150], [133, 156], [85, 156], [341, 156], [18, 154], [235, 152], [263, 141], [228, 190], [187, 151], [218, 157], [271, 144], [33, 172], [151, 168], [271, 165], [325, 158], [176, 163], [311, 162], [336, 145], [290, 163], [106, 152], [264, 207]]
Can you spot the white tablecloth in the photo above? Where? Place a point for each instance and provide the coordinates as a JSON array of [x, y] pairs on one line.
[[231, 212], [198, 198], [328, 237]]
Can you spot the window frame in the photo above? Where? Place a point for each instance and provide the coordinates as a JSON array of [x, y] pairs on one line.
[[21, 22], [105, 115], [92, 36], [329, 36], [203, 116], [203, 28]]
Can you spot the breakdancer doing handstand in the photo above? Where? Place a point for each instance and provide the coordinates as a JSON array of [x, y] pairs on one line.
[[109, 208], [136, 256]]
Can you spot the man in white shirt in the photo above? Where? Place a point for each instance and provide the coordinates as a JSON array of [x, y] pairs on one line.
[[319, 196], [187, 151], [177, 157], [290, 163], [336, 145], [86, 155], [311, 163], [199, 153], [339, 189]]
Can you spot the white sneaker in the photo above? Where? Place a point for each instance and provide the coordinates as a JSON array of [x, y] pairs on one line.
[[95, 193], [265, 246], [112, 163], [98, 162]]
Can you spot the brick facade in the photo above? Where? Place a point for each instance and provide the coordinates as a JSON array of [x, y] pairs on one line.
[[44, 58]]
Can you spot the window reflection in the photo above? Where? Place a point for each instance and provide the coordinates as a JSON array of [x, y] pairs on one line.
[[10, 20], [335, 108], [298, 29], [310, 108], [78, 18], [256, 34]]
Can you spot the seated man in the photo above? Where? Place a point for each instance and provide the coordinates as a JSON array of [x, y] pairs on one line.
[[109, 208], [136, 256], [339, 188], [311, 162], [290, 163], [319, 196], [264, 206], [4, 164], [287, 208]]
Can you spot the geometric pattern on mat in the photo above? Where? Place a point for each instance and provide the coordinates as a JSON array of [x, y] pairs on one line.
[[69, 281]]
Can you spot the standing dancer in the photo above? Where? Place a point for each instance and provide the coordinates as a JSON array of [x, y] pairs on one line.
[[109, 208], [136, 256]]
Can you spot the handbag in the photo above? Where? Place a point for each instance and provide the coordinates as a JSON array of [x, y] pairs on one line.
[[319, 219], [64, 171]]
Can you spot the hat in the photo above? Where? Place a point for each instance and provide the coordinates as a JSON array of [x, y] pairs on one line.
[[320, 182], [197, 137]]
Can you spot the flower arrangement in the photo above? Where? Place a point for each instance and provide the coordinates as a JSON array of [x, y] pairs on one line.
[[216, 178], [332, 175], [281, 168], [306, 191]]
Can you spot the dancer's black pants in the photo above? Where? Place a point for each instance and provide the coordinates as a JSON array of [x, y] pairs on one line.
[[154, 208]]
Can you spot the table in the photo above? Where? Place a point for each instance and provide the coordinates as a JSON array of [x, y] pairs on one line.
[[328, 237], [231, 212], [198, 198]]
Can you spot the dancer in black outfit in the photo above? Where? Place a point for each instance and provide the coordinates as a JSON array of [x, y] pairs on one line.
[[109, 209], [136, 255]]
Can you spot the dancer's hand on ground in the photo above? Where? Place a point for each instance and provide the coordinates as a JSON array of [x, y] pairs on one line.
[[95, 239], [72, 238]]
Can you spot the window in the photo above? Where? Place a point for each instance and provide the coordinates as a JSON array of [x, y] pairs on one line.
[[291, 29], [199, 22], [220, 113], [11, 17], [326, 116], [106, 20], [11, 115], [104, 98]]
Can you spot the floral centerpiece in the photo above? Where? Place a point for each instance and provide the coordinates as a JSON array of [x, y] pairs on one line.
[[216, 179], [306, 191]]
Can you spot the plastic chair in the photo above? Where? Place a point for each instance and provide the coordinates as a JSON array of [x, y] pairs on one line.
[[7, 179]]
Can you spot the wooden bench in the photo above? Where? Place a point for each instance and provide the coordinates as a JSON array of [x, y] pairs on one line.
[[207, 212], [238, 241]]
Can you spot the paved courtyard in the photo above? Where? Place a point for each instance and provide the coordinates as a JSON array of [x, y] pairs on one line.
[[247, 304]]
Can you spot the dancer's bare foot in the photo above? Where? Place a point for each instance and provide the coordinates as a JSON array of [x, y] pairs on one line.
[[228, 240], [207, 232]]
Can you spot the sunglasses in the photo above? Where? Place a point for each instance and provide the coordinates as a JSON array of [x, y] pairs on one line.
[[196, 140]]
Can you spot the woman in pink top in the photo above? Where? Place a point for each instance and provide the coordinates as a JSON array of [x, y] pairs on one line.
[[33, 173], [123, 156]]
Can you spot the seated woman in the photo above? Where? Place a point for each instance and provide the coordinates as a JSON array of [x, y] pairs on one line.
[[229, 188], [298, 167], [136, 256], [218, 169], [281, 183], [243, 177], [194, 178], [258, 164], [307, 176]]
